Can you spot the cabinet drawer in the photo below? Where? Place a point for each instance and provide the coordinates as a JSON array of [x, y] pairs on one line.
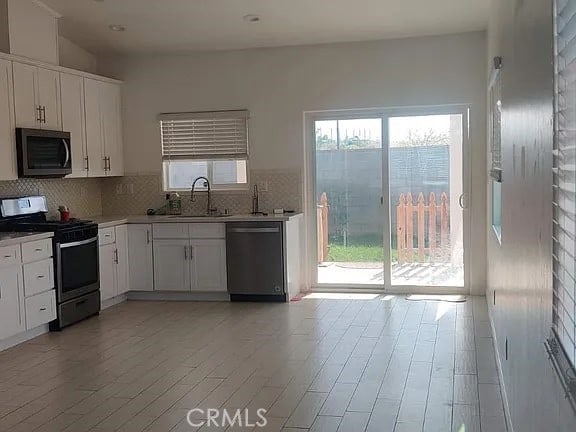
[[9, 256], [106, 236], [40, 309], [207, 231], [38, 277], [36, 250], [171, 231]]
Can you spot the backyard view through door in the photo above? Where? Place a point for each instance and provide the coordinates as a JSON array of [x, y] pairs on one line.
[[419, 218]]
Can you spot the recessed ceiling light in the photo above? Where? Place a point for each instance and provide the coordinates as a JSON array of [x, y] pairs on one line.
[[251, 18], [117, 27]]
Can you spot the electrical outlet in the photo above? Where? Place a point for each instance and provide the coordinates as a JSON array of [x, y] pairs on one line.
[[119, 189], [262, 186]]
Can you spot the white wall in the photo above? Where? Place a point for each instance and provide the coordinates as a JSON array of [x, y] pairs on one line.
[[75, 57], [520, 269], [277, 85]]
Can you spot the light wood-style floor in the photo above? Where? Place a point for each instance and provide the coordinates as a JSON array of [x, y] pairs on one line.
[[379, 365]]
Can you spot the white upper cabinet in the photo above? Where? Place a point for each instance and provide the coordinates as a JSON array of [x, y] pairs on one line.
[[112, 123], [74, 121], [8, 167], [32, 30], [36, 97], [103, 128]]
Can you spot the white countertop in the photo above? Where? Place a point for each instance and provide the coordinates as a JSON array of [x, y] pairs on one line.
[[12, 238], [109, 221]]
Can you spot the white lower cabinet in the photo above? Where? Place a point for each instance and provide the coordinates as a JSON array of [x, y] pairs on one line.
[[208, 265], [40, 309], [114, 276], [172, 265], [189, 257], [27, 294], [108, 279], [11, 302], [140, 257]]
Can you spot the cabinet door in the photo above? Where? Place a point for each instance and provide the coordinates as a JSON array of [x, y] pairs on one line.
[[122, 266], [8, 167], [74, 121], [94, 128], [112, 125], [141, 257], [25, 100], [11, 302], [108, 278], [208, 269], [171, 265], [48, 93]]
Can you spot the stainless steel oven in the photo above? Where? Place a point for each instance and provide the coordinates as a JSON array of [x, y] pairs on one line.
[[77, 268], [43, 153]]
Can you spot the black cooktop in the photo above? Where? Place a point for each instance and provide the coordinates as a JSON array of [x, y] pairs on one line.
[[70, 231]]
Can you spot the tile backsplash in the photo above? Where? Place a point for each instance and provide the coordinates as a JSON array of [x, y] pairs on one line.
[[83, 196], [136, 194]]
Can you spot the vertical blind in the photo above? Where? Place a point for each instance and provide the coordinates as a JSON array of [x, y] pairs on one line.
[[204, 135], [564, 177]]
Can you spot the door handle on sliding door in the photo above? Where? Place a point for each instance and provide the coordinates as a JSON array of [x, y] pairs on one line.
[[461, 201]]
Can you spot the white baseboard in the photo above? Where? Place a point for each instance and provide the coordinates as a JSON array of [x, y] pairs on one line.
[[113, 301], [23, 337], [177, 296]]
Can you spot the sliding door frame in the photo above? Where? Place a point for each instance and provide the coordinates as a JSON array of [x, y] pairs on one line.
[[310, 195]]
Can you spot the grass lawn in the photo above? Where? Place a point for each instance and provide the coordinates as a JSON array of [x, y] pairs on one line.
[[358, 253]]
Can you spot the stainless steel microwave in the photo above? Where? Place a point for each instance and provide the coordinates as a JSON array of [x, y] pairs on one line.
[[43, 153]]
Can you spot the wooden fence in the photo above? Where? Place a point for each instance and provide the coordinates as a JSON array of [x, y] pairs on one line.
[[428, 246], [323, 210], [432, 244]]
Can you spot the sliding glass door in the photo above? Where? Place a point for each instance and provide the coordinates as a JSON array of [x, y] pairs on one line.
[[388, 191]]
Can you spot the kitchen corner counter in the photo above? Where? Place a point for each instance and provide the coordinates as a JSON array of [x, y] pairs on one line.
[[14, 238], [110, 221]]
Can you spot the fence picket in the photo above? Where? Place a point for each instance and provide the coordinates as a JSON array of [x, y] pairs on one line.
[[401, 229], [444, 226], [409, 228], [421, 231], [432, 226]]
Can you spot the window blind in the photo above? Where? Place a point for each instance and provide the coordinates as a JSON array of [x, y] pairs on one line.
[[564, 181], [204, 135]]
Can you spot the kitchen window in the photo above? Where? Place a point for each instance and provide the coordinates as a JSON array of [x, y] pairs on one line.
[[212, 144]]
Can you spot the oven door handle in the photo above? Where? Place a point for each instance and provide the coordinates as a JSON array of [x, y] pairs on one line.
[[79, 243]]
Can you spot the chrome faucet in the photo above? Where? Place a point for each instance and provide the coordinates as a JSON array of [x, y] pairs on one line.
[[209, 208]]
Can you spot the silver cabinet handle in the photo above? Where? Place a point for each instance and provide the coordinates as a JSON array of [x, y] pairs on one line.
[[8, 256], [109, 164], [191, 252], [40, 277], [42, 309], [116, 256], [87, 164], [186, 253], [38, 249], [147, 236], [39, 114]]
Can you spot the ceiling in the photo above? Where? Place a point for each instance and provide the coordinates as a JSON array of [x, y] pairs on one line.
[[158, 26]]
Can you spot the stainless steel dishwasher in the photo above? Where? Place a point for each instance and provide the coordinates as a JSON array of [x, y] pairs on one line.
[[255, 261]]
